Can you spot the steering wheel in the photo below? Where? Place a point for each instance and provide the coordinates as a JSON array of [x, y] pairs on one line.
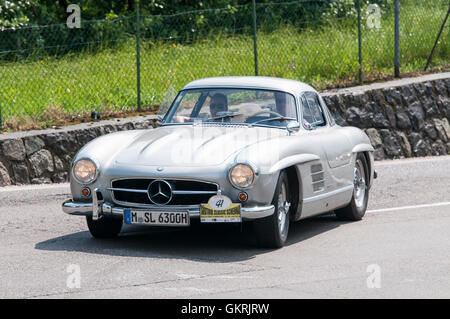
[[267, 112]]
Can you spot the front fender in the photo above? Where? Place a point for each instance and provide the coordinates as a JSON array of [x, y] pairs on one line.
[[101, 150], [291, 161]]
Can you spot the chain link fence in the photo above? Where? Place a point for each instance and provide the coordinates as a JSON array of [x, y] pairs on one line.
[[51, 74]]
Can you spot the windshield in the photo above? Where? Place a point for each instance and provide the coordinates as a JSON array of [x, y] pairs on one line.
[[238, 106]]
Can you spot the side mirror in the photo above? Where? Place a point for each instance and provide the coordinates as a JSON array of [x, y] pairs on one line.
[[293, 127]]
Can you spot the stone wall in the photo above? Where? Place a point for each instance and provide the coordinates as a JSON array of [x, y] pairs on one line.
[[403, 118]]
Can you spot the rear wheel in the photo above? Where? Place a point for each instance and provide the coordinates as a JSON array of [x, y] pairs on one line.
[[272, 231], [104, 227], [356, 209]]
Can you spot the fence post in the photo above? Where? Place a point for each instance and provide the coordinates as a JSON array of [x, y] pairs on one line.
[[397, 39], [0, 116], [138, 58], [432, 50], [255, 46], [358, 7]]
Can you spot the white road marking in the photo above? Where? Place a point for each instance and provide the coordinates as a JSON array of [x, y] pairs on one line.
[[186, 276], [409, 207]]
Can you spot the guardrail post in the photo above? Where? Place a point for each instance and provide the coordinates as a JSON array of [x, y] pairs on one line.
[[358, 7], [138, 58], [255, 45], [397, 39]]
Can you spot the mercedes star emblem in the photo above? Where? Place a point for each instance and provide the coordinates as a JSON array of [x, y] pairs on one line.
[[159, 192]]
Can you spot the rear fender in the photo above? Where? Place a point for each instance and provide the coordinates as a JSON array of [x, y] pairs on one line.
[[368, 150]]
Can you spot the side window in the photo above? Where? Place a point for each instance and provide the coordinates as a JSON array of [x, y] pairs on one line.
[[312, 111], [306, 111], [327, 111]]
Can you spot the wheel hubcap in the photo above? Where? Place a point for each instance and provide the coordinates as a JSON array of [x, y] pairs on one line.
[[283, 210], [359, 183]]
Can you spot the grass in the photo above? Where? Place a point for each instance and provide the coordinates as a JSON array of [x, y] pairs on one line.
[[35, 94]]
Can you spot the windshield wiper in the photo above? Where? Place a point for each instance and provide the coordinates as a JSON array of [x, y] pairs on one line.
[[278, 118], [225, 116]]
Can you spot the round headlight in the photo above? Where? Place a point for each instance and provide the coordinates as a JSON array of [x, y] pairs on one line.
[[85, 171], [242, 176]]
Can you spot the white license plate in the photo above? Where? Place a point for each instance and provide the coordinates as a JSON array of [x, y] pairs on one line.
[[156, 218]]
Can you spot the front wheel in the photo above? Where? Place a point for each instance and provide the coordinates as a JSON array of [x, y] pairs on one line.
[[104, 227], [272, 231], [356, 209]]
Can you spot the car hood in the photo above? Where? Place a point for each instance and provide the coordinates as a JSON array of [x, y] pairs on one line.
[[192, 145]]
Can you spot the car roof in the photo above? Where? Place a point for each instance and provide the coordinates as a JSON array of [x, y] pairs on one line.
[[251, 82]]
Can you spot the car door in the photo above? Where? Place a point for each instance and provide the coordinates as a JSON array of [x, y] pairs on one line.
[[328, 177], [336, 145]]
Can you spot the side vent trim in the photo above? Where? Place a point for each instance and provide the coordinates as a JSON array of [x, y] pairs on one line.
[[317, 178]]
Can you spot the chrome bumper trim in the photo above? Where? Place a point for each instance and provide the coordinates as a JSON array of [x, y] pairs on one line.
[[95, 206], [106, 209]]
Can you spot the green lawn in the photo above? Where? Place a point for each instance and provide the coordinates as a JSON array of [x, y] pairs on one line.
[[37, 92]]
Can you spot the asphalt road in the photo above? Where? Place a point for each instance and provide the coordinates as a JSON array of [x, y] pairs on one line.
[[401, 249]]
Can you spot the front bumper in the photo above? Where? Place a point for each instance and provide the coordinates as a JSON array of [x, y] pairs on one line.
[[106, 209]]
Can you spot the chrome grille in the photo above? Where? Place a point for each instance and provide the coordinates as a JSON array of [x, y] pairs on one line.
[[184, 192]]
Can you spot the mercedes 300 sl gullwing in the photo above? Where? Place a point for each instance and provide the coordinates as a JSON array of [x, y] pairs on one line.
[[228, 150]]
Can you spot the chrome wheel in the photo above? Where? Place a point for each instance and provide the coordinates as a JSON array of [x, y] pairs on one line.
[[359, 183], [356, 209], [272, 231], [283, 211]]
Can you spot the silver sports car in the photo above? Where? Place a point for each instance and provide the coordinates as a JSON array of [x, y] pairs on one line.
[[228, 150]]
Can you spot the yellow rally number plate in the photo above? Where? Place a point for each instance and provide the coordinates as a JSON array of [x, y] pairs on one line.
[[220, 209]]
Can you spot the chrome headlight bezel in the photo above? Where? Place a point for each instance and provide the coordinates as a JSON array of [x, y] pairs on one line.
[[246, 166], [93, 175]]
